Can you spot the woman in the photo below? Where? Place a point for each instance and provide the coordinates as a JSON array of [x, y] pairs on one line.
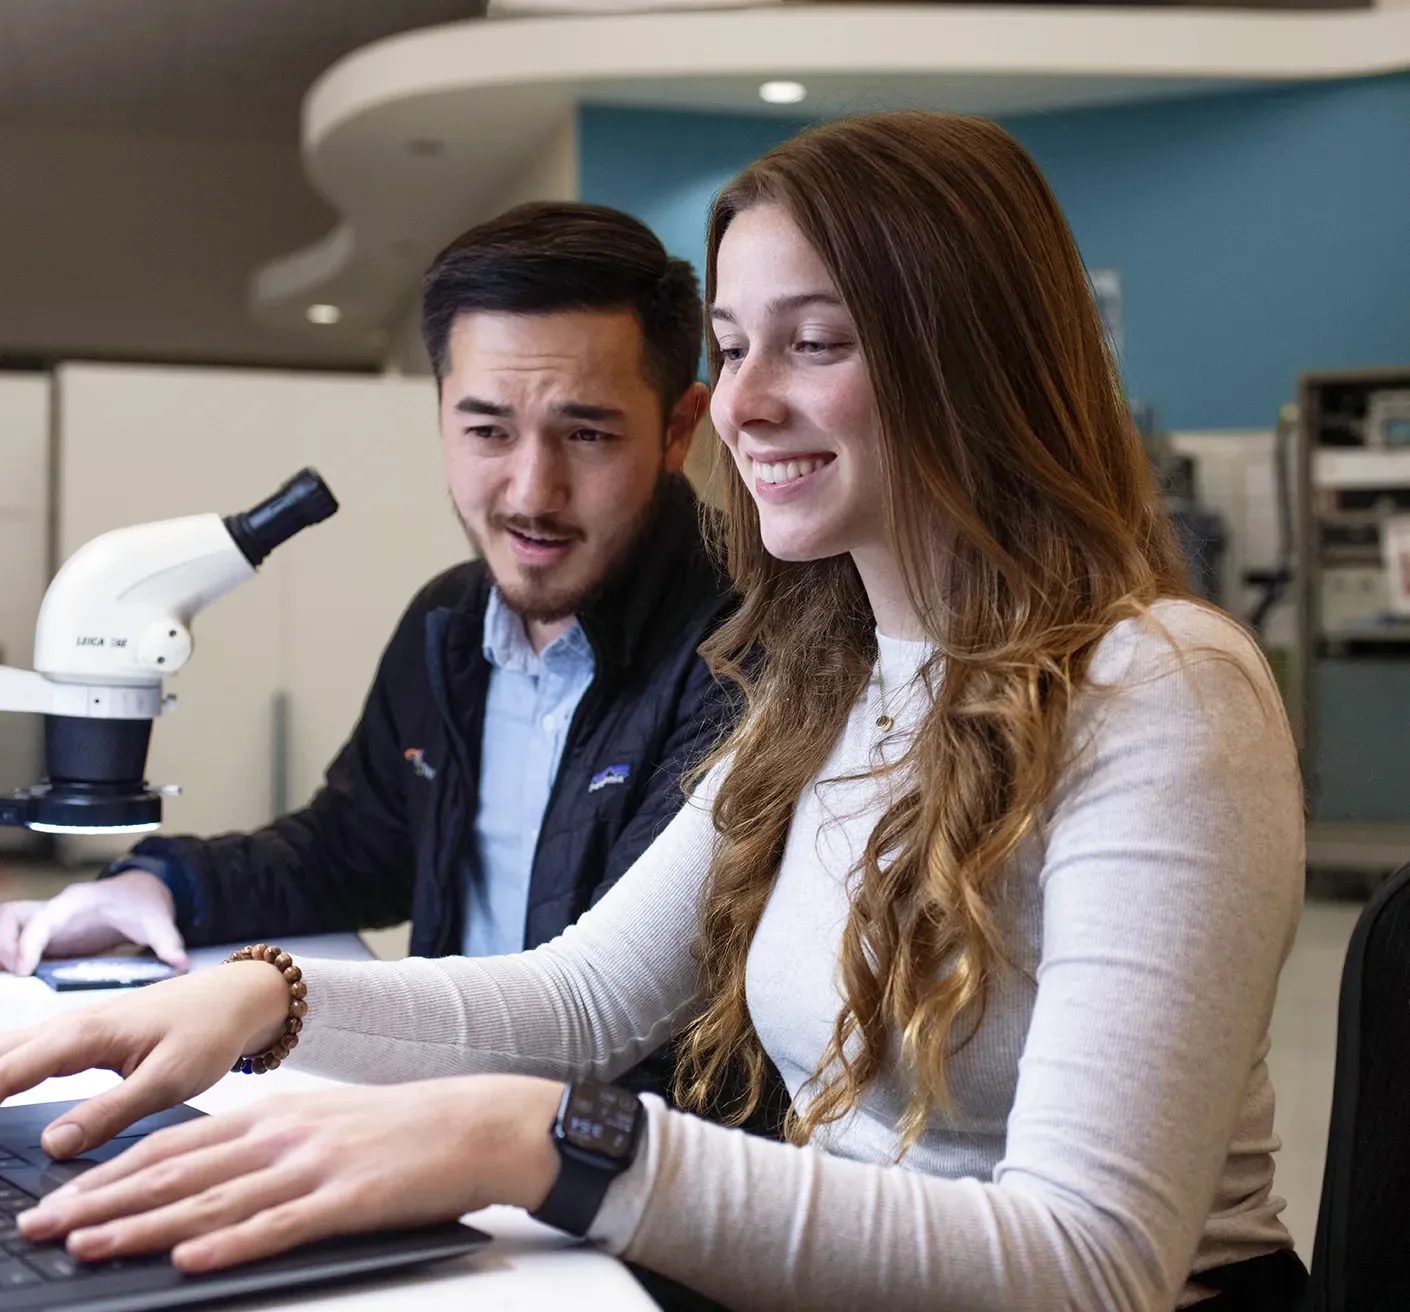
[[1000, 868]]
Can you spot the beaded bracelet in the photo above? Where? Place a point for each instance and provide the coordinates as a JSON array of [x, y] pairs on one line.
[[289, 1040]]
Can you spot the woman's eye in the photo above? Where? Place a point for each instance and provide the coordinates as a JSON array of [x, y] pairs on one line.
[[815, 348], [731, 354]]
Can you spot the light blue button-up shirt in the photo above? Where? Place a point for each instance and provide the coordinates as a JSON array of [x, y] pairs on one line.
[[530, 704]]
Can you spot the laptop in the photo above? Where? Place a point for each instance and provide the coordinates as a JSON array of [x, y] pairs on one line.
[[43, 1276]]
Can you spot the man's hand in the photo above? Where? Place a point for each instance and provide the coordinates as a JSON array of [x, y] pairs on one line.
[[85, 918], [234, 1188]]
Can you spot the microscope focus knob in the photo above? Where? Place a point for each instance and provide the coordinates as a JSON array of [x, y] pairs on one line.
[[164, 647]]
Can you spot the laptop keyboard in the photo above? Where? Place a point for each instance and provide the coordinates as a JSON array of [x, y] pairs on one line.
[[24, 1265], [44, 1276]]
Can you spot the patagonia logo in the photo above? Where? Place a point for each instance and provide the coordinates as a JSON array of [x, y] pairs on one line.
[[613, 774], [418, 763]]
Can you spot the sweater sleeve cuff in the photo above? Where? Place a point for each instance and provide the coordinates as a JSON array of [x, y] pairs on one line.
[[617, 1219]]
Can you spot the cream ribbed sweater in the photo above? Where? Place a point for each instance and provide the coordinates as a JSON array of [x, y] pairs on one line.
[[1114, 1118]]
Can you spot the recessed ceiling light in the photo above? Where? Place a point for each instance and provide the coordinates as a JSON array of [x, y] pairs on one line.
[[324, 314], [782, 93]]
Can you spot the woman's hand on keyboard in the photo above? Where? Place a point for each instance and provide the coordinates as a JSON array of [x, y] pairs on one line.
[[302, 1167]]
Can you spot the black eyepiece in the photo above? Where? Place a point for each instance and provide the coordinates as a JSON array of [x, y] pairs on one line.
[[303, 501]]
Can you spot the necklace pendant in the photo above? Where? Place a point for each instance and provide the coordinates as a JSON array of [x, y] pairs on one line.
[[885, 723]]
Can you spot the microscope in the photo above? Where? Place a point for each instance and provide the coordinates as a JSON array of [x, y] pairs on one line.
[[114, 623]]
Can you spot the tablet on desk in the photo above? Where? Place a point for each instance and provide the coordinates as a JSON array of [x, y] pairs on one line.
[[103, 973]]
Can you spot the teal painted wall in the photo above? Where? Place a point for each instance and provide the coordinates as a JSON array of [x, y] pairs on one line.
[[665, 167], [1257, 234]]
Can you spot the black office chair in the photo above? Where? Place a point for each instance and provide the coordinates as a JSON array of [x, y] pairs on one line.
[[1361, 1261]]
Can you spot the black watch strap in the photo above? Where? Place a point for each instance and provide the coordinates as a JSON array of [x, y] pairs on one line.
[[576, 1197], [585, 1174]]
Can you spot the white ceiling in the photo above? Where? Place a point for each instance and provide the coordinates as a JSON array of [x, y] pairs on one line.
[[227, 67], [150, 162], [483, 94]]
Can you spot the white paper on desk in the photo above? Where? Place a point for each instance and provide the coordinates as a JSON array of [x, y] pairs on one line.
[[1395, 556]]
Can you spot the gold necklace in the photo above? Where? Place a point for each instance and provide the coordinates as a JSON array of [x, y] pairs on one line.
[[884, 722]]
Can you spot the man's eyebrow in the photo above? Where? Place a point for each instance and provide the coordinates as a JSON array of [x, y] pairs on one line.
[[602, 414], [473, 405], [781, 305]]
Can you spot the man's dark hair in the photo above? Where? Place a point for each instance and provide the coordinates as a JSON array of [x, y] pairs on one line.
[[552, 256]]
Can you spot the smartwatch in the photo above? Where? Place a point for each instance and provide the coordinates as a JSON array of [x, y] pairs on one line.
[[596, 1132]]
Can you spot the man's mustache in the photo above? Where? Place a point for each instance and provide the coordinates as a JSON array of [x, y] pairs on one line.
[[536, 527]]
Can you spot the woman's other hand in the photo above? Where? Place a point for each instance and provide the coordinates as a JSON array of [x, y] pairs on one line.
[[169, 1042], [234, 1188]]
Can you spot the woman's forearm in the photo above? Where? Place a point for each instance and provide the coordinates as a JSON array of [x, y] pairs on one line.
[[596, 1000]]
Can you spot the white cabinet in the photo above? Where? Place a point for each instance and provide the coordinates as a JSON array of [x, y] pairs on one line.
[[24, 551], [377, 443], [138, 444]]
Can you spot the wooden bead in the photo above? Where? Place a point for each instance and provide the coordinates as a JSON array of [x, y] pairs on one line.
[[293, 974], [258, 950], [259, 1065], [271, 1062], [298, 989], [298, 1007], [293, 1025], [283, 961]]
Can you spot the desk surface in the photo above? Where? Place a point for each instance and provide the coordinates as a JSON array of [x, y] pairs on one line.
[[528, 1267]]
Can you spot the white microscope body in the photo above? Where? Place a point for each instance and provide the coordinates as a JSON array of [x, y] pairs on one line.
[[114, 623], [116, 619]]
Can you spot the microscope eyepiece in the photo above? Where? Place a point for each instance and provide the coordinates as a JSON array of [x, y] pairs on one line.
[[302, 502]]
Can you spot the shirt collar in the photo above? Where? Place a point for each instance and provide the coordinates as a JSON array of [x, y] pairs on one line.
[[507, 645]]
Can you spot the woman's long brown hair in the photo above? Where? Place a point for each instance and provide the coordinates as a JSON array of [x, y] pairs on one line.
[[1021, 504]]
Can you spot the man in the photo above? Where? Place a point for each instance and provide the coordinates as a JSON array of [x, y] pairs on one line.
[[526, 733]]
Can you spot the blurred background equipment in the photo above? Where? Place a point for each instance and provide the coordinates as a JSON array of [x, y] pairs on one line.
[[1355, 433], [1273, 582], [1203, 534]]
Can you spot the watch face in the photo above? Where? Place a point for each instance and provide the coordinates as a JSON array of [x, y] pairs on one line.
[[601, 1119]]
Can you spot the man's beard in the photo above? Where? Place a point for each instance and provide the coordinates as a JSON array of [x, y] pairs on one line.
[[538, 601]]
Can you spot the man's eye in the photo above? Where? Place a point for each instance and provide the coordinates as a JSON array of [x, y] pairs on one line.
[[591, 435], [486, 432]]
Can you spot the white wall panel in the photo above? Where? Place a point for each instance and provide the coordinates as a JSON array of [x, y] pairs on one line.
[[376, 442], [24, 551]]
